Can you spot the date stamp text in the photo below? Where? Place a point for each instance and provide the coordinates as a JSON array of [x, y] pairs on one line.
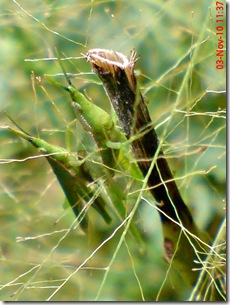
[[220, 34]]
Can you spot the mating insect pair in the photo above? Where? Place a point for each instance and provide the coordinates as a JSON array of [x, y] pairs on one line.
[[87, 183]]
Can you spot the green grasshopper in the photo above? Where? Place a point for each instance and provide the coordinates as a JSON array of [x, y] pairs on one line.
[[73, 176], [108, 139]]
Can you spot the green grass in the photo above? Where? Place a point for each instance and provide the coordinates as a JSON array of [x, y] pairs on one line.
[[40, 249]]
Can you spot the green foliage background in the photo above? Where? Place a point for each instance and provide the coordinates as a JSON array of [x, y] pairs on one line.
[[165, 34]]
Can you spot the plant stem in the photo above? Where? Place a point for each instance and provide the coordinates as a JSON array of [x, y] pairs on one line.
[[117, 75], [121, 86]]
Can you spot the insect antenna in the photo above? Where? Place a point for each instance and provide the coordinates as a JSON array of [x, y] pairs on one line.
[[16, 124], [63, 69]]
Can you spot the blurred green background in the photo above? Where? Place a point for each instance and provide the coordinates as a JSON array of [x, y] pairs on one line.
[[177, 44]]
